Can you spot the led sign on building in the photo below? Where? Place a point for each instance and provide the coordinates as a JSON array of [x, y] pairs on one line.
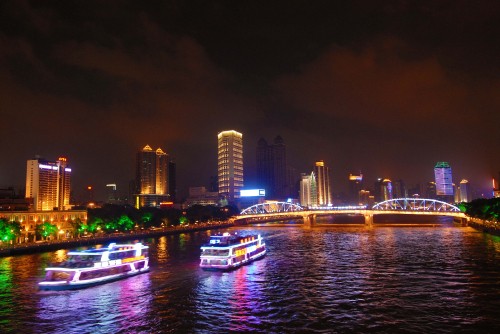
[[252, 192]]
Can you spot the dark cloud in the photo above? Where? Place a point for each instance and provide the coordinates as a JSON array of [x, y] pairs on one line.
[[387, 87]]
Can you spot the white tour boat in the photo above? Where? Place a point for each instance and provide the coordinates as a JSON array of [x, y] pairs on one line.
[[228, 251], [96, 266]]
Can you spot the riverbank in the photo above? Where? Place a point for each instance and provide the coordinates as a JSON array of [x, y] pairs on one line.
[[486, 226], [27, 248]]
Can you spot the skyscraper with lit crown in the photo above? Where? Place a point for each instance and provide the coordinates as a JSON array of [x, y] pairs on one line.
[[444, 182], [308, 190], [465, 191], [355, 186], [230, 164], [48, 183], [322, 173], [151, 177]]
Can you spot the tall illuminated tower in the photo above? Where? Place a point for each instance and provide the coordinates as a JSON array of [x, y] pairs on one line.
[[355, 186], [322, 173], [444, 183], [48, 183], [230, 164], [146, 171], [386, 190], [308, 190], [465, 191], [151, 177]]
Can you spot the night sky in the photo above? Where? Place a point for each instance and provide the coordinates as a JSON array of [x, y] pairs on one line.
[[387, 88]]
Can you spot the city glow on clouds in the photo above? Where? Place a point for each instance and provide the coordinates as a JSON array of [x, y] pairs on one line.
[[386, 89]]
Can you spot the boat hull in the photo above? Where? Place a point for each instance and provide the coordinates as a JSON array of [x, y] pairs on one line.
[[232, 266], [60, 286]]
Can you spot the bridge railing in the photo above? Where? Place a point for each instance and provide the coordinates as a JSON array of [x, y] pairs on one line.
[[398, 204], [271, 207], [415, 204]]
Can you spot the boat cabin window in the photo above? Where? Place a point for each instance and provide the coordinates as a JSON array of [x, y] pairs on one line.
[[218, 240], [215, 252], [60, 276], [84, 258], [122, 255]]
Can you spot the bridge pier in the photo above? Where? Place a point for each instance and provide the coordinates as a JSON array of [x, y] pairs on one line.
[[368, 219], [309, 220]]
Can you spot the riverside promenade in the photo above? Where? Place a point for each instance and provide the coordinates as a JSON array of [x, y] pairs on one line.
[[35, 247]]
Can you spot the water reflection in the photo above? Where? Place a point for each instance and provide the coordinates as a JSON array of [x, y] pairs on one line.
[[108, 308], [237, 294], [319, 279], [6, 286], [61, 255], [161, 250]]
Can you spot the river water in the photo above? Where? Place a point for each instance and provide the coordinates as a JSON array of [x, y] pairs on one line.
[[442, 279]]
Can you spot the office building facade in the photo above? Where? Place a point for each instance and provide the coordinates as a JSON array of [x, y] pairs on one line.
[[465, 191], [272, 172], [355, 186], [322, 173], [151, 177], [48, 184], [230, 164], [308, 190], [444, 182]]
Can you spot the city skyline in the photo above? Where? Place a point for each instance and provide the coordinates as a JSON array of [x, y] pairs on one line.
[[388, 89], [344, 191]]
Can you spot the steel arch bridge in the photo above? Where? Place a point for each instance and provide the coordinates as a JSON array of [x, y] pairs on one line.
[[415, 204], [271, 207]]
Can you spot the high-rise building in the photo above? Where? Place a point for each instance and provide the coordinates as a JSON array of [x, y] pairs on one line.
[[151, 177], [465, 191], [383, 190], [365, 198], [444, 182], [322, 174], [430, 190], [456, 193], [112, 196], [386, 190], [162, 162], [272, 168], [308, 190], [48, 183], [355, 186], [399, 189], [230, 164]]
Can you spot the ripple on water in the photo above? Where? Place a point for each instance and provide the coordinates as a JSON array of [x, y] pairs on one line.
[[324, 280]]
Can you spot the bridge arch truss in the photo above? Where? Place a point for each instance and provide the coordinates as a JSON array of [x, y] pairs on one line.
[[415, 204], [271, 207]]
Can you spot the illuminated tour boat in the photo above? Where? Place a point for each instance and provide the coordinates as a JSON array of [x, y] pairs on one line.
[[96, 266], [229, 251]]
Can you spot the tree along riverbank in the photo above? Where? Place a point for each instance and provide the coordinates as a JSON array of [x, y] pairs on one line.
[[484, 214], [27, 248]]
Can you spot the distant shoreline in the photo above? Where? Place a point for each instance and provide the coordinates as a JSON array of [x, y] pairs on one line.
[[30, 248]]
